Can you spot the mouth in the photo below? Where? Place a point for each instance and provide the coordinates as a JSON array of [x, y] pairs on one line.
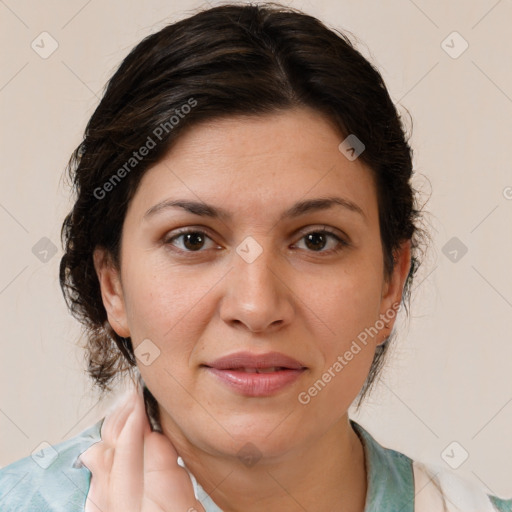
[[256, 375]]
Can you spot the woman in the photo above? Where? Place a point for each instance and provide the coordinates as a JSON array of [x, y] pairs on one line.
[[243, 236]]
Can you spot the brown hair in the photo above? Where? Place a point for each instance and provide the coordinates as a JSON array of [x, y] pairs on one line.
[[224, 61]]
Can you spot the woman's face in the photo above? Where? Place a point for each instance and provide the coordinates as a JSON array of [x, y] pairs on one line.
[[283, 255]]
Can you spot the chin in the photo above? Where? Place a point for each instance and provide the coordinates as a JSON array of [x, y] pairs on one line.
[[249, 436], [255, 436]]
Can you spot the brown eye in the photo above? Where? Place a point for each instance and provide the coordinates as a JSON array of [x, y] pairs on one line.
[[191, 241], [317, 240]]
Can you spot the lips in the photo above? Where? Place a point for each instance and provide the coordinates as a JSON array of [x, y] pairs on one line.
[[256, 363], [256, 375]]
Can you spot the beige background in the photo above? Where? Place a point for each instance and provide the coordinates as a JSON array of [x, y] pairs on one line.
[[450, 375]]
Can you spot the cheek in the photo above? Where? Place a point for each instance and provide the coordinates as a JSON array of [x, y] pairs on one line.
[[348, 309], [160, 299], [169, 307], [348, 306], [348, 301]]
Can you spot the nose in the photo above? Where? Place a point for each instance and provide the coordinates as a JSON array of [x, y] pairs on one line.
[[257, 295]]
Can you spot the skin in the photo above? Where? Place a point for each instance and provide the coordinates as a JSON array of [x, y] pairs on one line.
[[134, 469], [305, 300]]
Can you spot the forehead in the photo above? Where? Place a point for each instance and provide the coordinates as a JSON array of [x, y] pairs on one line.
[[258, 164]]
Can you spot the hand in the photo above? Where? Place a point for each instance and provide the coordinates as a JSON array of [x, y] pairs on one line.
[[135, 469]]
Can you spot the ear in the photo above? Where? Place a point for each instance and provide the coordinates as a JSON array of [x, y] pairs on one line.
[[393, 288], [111, 291]]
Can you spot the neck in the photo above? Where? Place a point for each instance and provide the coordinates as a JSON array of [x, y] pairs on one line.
[[327, 474]]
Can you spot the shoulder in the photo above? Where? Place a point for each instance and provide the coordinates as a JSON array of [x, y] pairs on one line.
[[50, 479], [397, 482]]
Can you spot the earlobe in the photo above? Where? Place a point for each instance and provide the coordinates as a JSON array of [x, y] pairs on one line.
[[111, 291]]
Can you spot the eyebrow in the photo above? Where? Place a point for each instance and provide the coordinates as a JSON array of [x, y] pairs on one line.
[[296, 210]]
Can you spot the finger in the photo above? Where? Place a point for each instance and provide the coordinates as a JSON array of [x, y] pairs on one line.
[[110, 428], [99, 457], [98, 460], [116, 419], [127, 474], [167, 485]]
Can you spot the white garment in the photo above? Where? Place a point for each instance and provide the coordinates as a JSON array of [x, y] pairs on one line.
[[439, 490]]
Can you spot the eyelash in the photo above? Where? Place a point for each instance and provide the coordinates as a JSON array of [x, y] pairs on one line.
[[342, 243]]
